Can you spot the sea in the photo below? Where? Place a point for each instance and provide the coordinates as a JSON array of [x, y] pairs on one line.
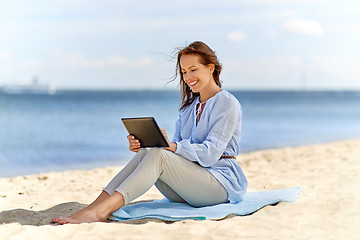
[[83, 129]]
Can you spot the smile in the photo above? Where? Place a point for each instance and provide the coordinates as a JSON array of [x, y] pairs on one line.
[[193, 83]]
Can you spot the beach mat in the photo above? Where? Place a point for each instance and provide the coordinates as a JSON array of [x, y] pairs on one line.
[[173, 211]]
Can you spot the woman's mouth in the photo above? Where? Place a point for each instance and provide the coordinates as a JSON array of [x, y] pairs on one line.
[[193, 83]]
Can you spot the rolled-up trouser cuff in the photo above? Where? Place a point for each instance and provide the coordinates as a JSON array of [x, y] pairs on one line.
[[121, 191], [108, 191], [125, 195]]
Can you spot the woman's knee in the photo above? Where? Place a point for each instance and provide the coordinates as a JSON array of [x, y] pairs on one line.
[[156, 150], [157, 157], [142, 151], [157, 153]]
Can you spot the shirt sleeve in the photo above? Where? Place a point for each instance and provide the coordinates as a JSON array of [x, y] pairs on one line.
[[224, 119], [177, 136]]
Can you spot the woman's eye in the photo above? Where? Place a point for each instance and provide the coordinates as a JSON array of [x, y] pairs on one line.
[[193, 70]]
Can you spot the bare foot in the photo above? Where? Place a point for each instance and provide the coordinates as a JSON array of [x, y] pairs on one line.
[[85, 215], [95, 212]]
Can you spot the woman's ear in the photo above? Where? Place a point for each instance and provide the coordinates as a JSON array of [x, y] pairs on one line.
[[211, 67]]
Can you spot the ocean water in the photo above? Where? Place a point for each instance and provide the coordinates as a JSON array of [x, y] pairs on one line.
[[72, 130]]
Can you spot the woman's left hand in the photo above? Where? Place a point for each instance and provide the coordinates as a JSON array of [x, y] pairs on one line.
[[171, 144]]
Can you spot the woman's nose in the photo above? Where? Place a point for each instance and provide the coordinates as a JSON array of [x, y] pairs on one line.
[[186, 76]]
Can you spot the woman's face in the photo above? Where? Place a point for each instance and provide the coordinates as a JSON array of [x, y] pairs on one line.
[[196, 75]]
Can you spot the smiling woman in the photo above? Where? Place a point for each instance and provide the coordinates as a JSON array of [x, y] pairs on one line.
[[196, 75], [199, 167], [192, 62]]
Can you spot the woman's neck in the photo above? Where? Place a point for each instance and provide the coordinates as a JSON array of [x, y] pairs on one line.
[[206, 95]]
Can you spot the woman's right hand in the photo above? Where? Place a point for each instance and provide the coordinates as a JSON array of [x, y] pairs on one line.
[[134, 143]]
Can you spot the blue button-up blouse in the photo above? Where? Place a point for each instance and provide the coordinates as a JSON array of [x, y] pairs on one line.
[[217, 134]]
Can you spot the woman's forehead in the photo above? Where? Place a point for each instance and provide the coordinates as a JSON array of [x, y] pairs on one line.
[[187, 61]]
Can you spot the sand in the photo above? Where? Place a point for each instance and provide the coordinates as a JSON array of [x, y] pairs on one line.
[[329, 207]]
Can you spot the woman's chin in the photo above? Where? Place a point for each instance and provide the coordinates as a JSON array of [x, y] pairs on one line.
[[194, 90]]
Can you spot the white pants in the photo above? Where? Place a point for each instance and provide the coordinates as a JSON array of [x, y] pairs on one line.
[[179, 179]]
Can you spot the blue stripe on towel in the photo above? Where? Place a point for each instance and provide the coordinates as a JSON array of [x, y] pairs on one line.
[[173, 211]]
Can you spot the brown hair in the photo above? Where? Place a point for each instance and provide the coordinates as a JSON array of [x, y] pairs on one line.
[[207, 56]]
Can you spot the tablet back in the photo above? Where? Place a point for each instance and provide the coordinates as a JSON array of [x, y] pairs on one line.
[[146, 130]]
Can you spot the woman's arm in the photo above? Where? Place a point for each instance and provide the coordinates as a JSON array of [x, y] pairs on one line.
[[224, 120], [177, 136]]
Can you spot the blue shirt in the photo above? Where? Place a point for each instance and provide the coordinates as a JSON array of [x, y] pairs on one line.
[[217, 134]]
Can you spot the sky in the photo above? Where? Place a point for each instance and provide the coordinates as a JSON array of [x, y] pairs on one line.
[[115, 44]]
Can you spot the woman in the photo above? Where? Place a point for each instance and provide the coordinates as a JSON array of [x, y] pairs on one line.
[[199, 166]]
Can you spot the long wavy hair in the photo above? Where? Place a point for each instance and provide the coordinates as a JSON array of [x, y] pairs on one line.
[[207, 56]]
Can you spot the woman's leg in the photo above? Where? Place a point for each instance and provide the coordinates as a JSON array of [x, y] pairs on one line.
[[108, 190], [168, 192], [192, 183], [126, 171], [188, 180]]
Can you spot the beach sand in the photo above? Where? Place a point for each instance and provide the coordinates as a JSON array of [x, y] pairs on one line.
[[328, 208]]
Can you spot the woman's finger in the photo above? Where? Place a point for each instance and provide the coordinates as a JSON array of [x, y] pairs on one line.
[[163, 131], [134, 143], [134, 149]]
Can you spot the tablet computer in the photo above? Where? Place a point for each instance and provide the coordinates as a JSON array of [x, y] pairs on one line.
[[146, 130]]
